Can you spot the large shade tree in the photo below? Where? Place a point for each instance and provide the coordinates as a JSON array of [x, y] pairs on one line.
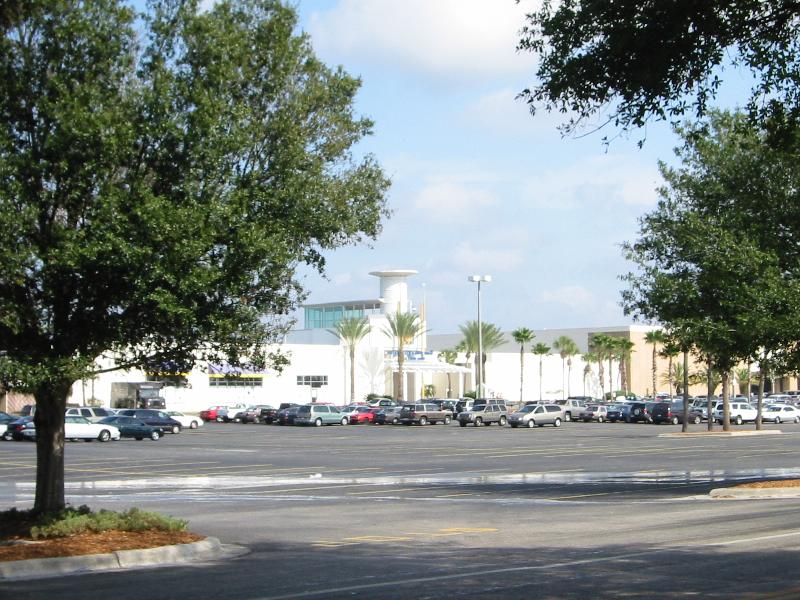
[[633, 61], [162, 179], [351, 330]]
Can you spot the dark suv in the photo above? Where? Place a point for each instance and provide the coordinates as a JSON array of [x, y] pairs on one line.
[[639, 412], [155, 418], [424, 414]]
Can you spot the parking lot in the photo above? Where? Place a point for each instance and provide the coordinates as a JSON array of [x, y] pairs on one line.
[[587, 510]]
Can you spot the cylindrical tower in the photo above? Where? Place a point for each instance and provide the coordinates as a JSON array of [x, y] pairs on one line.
[[394, 289]]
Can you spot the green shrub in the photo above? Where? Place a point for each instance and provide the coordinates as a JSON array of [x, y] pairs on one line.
[[72, 521]]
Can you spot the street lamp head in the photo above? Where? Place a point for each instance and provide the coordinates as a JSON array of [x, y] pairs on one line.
[[474, 278], [487, 278]]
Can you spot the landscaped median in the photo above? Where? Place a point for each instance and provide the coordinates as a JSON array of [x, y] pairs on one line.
[[77, 540], [781, 488]]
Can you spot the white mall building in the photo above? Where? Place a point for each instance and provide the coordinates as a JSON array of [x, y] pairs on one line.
[[320, 370]]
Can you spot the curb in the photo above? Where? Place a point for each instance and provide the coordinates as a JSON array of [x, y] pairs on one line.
[[122, 559], [754, 493], [693, 434]]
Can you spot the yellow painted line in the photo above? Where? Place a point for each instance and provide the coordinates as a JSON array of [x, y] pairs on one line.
[[333, 544], [377, 538]]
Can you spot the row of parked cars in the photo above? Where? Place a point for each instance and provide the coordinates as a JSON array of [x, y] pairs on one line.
[[102, 424]]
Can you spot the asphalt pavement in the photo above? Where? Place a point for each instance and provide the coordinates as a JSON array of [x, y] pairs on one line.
[[582, 511]]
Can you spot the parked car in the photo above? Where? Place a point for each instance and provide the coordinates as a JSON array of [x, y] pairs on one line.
[[80, 428], [695, 415], [484, 414], [424, 413], [363, 414], [387, 415], [228, 413], [319, 415], [532, 415], [781, 414], [212, 413], [661, 412], [461, 405], [132, 427], [151, 416], [268, 415], [573, 408], [189, 421], [383, 402], [15, 428], [618, 412], [93, 413], [252, 414], [740, 412], [639, 412], [286, 416], [595, 412]]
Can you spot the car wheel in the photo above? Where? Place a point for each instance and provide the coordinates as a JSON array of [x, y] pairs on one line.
[[176, 429], [674, 420], [344, 421], [219, 419], [797, 419], [531, 424], [738, 419], [462, 424], [155, 435], [139, 439], [696, 420], [395, 421], [568, 417], [447, 420], [104, 436], [478, 422], [557, 422], [193, 425], [318, 422], [600, 419], [423, 421], [502, 421], [627, 419]]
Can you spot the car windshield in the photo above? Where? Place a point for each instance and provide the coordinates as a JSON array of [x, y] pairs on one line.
[[528, 408], [304, 409]]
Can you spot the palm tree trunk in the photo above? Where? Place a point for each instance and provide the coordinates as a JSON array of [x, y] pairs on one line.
[[521, 370], [400, 360], [670, 375], [569, 375], [655, 369], [540, 377], [601, 376], [610, 379], [563, 384], [352, 374]]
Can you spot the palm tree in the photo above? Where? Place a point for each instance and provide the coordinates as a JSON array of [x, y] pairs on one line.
[[624, 348], [405, 328], [603, 345], [743, 378], [588, 358], [670, 351], [491, 338], [522, 336], [567, 348], [449, 356], [352, 330], [540, 350], [655, 337]]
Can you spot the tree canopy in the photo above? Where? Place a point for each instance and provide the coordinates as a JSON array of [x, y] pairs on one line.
[[637, 60], [163, 176]]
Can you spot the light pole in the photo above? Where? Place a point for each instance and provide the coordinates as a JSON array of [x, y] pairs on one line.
[[479, 371]]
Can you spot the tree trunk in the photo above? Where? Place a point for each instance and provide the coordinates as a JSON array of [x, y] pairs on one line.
[[726, 408], [610, 381], [51, 403], [563, 379], [670, 375], [760, 395], [521, 371], [569, 376], [685, 425], [352, 374], [655, 369], [709, 394], [449, 387], [601, 376], [400, 360], [540, 377]]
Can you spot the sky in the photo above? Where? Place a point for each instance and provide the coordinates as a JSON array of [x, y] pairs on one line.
[[479, 186]]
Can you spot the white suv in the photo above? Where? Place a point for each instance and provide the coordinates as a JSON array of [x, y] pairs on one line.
[[740, 412]]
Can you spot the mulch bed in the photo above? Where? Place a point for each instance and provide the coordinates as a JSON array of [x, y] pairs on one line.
[[781, 483], [23, 548]]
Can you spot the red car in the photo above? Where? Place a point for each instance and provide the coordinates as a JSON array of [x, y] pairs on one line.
[[363, 414], [211, 413]]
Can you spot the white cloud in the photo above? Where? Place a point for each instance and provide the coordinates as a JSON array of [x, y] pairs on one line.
[[578, 300], [485, 260], [603, 180], [501, 112], [449, 202], [450, 39]]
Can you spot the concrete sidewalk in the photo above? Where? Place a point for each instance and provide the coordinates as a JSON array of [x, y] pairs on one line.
[[39, 568]]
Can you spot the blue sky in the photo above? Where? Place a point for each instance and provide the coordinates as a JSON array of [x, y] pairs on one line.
[[480, 186]]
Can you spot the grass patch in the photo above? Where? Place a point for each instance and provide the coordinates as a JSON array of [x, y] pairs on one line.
[[72, 521]]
